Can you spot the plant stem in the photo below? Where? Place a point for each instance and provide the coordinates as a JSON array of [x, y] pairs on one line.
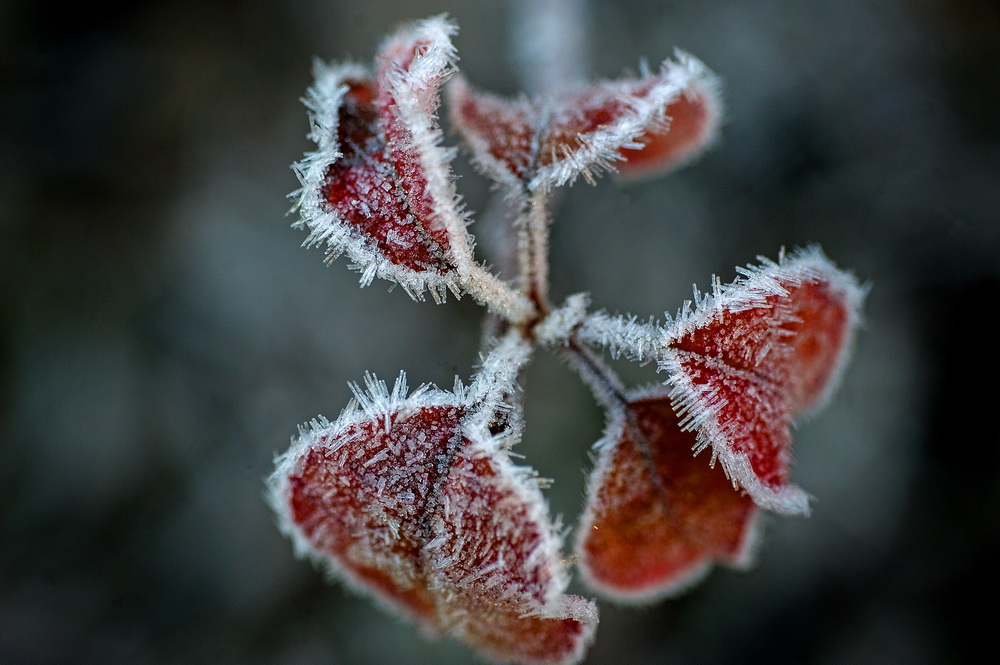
[[533, 248], [599, 377]]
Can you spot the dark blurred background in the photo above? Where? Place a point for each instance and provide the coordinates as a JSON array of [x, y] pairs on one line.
[[162, 333]]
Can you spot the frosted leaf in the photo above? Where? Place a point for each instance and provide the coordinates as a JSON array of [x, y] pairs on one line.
[[351, 493], [414, 501], [692, 126], [379, 187], [501, 134], [656, 516], [551, 141], [499, 563], [753, 355]]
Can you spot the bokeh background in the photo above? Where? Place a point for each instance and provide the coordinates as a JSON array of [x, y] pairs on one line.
[[162, 333]]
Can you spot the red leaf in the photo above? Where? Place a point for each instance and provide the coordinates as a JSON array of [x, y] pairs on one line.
[[378, 188], [752, 357], [657, 517], [693, 121], [378, 192], [550, 142], [741, 366], [499, 132], [412, 501], [497, 559], [357, 493], [505, 634]]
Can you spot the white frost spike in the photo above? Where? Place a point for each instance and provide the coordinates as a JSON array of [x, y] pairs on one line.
[[623, 336], [497, 376], [562, 322]]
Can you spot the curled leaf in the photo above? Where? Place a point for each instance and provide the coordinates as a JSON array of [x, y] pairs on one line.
[[550, 142], [497, 564], [378, 187]]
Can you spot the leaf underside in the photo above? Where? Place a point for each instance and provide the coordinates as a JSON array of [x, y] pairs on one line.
[[657, 515]]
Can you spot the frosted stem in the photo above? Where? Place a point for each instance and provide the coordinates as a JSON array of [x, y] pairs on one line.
[[533, 248], [622, 336], [510, 305]]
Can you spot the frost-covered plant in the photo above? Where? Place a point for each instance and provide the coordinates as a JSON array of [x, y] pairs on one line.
[[412, 497]]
